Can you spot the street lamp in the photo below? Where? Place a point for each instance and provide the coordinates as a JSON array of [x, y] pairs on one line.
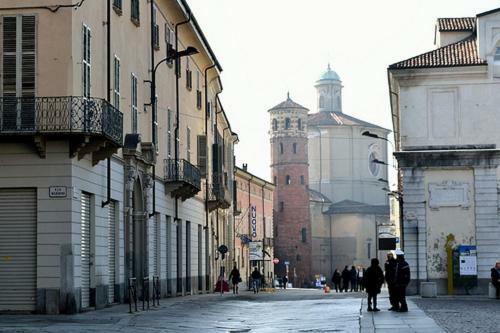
[[171, 55]]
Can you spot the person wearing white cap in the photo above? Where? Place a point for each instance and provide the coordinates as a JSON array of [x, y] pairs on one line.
[[402, 279]]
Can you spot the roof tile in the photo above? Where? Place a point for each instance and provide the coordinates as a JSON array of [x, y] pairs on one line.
[[456, 24]]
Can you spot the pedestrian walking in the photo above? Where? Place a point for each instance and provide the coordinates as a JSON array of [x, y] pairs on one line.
[[235, 278], [361, 272], [373, 280], [390, 276], [402, 280], [353, 278], [285, 281], [346, 276], [256, 280], [495, 278], [336, 280]]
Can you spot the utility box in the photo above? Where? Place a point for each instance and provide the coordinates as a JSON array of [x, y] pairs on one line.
[[465, 267]]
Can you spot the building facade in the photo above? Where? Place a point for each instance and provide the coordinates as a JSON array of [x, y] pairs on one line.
[[444, 107], [253, 226], [117, 165], [289, 167]]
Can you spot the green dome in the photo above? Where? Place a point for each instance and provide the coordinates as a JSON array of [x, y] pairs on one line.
[[329, 75]]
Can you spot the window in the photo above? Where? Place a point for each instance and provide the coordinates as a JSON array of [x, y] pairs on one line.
[[198, 99], [189, 79], [321, 102], [281, 148], [169, 133], [86, 61], [275, 180], [275, 125], [202, 154], [299, 124], [19, 68], [303, 234], [156, 31], [282, 206], [496, 63], [294, 148], [116, 88], [288, 180], [117, 6], [134, 103], [302, 181], [287, 123], [134, 16], [497, 54], [188, 144], [169, 40]]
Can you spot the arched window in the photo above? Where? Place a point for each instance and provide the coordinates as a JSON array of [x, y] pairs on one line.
[[304, 235], [302, 181], [281, 148], [299, 124], [287, 123], [288, 180], [321, 101], [294, 148], [275, 125]]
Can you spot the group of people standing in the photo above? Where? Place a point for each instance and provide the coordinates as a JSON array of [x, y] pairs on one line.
[[352, 278]]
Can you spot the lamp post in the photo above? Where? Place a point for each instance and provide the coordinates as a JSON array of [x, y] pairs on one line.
[[399, 197]]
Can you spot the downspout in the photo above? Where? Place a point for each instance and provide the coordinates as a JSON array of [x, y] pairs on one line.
[[320, 160], [177, 110], [108, 96], [153, 102]]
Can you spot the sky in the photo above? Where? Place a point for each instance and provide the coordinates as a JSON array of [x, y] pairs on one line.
[[269, 47]]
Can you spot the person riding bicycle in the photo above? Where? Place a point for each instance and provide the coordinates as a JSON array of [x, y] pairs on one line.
[[256, 280]]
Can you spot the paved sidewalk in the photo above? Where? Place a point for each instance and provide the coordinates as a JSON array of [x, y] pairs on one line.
[[415, 320]]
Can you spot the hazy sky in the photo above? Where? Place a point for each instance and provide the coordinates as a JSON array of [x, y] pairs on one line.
[[269, 47]]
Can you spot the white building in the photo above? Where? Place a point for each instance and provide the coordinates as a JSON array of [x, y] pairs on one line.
[[445, 114]]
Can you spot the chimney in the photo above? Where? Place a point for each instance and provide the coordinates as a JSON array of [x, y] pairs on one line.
[[245, 167]]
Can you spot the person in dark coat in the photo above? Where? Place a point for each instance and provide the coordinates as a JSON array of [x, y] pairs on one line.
[[346, 276], [336, 280], [390, 275], [256, 280], [373, 280], [495, 278], [402, 279], [235, 278], [354, 279], [285, 281]]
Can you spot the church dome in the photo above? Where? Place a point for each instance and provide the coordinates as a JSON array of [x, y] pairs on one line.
[[329, 75]]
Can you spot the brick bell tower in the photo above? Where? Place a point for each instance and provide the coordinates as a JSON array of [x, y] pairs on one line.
[[289, 165]]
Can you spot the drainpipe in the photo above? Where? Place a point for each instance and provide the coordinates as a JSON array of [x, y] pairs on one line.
[[108, 95], [177, 110], [320, 161], [153, 102]]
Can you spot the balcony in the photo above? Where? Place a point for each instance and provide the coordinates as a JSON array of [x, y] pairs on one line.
[[182, 179], [218, 197], [91, 125]]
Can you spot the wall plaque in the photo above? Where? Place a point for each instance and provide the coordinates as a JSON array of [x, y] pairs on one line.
[[449, 194], [58, 192]]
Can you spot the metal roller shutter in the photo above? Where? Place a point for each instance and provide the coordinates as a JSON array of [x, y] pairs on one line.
[[111, 251], [85, 249], [18, 249]]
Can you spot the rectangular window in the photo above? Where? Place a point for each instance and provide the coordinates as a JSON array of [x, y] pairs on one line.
[[304, 235], [117, 5], [189, 79], [198, 99], [134, 104], [134, 16], [86, 61], [169, 40], [188, 144], [156, 31], [169, 132], [116, 89], [19, 68], [202, 154]]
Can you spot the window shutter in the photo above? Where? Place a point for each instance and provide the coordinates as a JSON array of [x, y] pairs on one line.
[[202, 154], [28, 56], [9, 56]]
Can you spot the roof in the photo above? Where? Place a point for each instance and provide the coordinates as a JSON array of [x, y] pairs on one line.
[[329, 75], [337, 119], [456, 24], [488, 12], [355, 207], [288, 104], [462, 53], [316, 196]]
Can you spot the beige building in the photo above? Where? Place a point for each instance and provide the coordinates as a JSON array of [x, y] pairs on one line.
[[445, 116], [101, 185]]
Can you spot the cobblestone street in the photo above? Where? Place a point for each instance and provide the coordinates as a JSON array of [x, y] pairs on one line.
[[463, 314], [293, 310]]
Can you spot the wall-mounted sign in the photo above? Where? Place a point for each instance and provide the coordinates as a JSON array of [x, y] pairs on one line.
[[449, 194], [253, 220], [58, 192], [255, 249], [468, 259]]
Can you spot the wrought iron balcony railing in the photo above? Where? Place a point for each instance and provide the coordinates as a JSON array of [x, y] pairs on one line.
[[218, 196], [182, 178], [60, 115]]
